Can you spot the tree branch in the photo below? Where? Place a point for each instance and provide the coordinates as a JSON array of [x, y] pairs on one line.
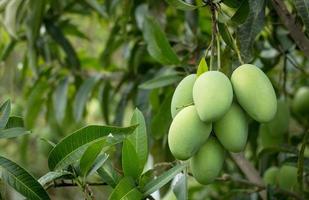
[[290, 23], [72, 184]]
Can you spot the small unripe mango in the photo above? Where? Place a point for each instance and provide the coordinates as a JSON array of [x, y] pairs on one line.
[[300, 104], [212, 95], [232, 129], [207, 163], [183, 94], [254, 92], [271, 175], [187, 133], [287, 177], [266, 139]]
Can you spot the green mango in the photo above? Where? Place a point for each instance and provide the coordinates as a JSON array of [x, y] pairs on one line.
[[187, 133], [254, 92], [300, 103], [279, 125], [208, 162], [266, 140], [183, 94], [287, 177], [232, 129], [212, 95], [270, 176]]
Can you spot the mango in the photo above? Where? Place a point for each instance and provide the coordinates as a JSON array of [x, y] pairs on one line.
[[271, 175], [212, 95], [187, 133], [254, 92], [287, 177], [208, 161], [183, 94], [266, 139], [279, 125], [232, 129], [300, 103]]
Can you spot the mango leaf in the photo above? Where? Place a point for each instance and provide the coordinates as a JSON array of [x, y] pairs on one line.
[[99, 161], [5, 111], [12, 11], [161, 81], [130, 161], [226, 35], [125, 190], [104, 101], [202, 67], [7, 50], [181, 5], [82, 96], [302, 7], [69, 149], [13, 132], [232, 3], [163, 179], [14, 121], [157, 44], [109, 174], [21, 180], [242, 13], [97, 7], [60, 100], [54, 175], [180, 187]]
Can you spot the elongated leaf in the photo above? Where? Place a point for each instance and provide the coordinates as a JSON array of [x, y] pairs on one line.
[[123, 190], [232, 3], [130, 161], [139, 138], [161, 81], [180, 188], [302, 7], [133, 194], [5, 111], [105, 99], [13, 132], [21, 180], [242, 13], [96, 6], [11, 16], [7, 50], [51, 176], [90, 156], [202, 67], [82, 97], [225, 34], [181, 5], [73, 146], [15, 121], [100, 160], [109, 174], [60, 100], [163, 179], [157, 44]]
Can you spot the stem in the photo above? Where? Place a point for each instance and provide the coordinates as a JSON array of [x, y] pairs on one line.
[[300, 162], [284, 76], [218, 53], [213, 34]]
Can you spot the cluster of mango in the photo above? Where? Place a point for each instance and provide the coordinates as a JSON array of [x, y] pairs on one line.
[[205, 103]]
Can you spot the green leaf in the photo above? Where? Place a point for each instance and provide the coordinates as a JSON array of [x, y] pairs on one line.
[[21, 180], [7, 50], [302, 7], [180, 188], [60, 100], [5, 111], [54, 175], [202, 67], [82, 96], [139, 138], [12, 11], [109, 174], [14, 121], [181, 5], [163, 179], [225, 34], [69, 149], [161, 81], [157, 44], [13, 132], [99, 161], [242, 13], [90, 156], [130, 161], [105, 99], [232, 3], [96, 6], [123, 191]]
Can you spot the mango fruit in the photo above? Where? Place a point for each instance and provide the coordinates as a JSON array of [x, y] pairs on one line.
[[270, 176], [212, 95], [300, 103], [232, 129], [254, 92], [183, 94], [207, 163], [187, 133], [287, 177]]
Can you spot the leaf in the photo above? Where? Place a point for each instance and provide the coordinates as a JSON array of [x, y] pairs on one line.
[[21, 180], [302, 7], [123, 189], [161, 180], [104, 101], [7, 50], [96, 6], [130, 161], [90, 156], [12, 11], [157, 44], [109, 174], [160, 81], [5, 111], [232, 3], [69, 149], [54, 175], [81, 97], [60, 100], [225, 34], [202, 67], [139, 138], [140, 13], [14, 121], [132, 194], [180, 188], [13, 132], [242, 12], [181, 5], [100, 160]]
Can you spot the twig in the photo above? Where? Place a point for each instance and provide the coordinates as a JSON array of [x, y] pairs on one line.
[[213, 34], [284, 76], [66, 184], [300, 161]]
